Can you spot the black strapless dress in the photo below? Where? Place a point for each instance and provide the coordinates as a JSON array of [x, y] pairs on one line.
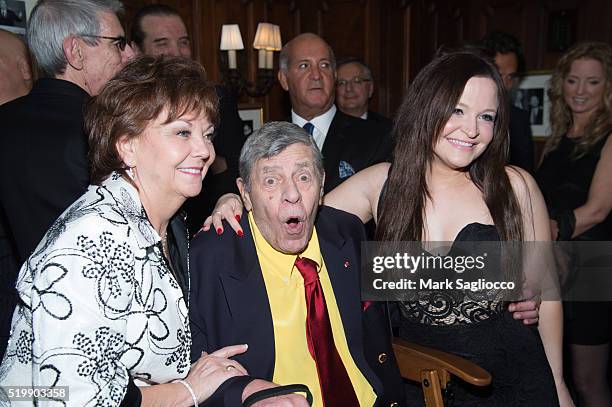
[[484, 332]]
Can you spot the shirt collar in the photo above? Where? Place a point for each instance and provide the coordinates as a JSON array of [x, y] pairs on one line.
[[321, 122], [128, 200], [287, 261]]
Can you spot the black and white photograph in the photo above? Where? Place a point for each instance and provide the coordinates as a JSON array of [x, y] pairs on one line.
[[247, 127], [532, 96], [252, 119], [13, 16]]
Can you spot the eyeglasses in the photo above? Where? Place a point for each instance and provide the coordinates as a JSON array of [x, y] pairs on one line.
[[356, 81], [120, 42]]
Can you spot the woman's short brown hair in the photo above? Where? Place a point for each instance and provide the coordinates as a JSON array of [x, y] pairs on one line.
[[135, 97]]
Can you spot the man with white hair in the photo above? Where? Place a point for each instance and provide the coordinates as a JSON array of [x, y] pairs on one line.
[[78, 46], [290, 286]]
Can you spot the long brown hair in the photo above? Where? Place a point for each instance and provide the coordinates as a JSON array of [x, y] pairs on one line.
[[426, 108], [600, 124]]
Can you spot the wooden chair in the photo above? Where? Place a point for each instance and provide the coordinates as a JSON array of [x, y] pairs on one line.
[[433, 369]]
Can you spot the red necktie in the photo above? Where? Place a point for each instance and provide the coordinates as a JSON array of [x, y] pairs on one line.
[[336, 386]]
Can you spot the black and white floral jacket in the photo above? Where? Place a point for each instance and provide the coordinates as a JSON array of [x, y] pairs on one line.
[[99, 304]]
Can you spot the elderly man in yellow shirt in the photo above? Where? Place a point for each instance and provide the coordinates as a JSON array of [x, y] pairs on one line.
[[289, 287]]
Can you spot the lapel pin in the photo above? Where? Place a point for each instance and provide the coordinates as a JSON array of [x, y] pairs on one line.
[[346, 264]]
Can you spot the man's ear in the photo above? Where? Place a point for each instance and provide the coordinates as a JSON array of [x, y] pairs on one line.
[[73, 52], [25, 69], [282, 79], [371, 90], [126, 147], [246, 198]]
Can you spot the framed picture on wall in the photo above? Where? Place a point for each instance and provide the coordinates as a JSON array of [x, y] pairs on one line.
[[252, 118], [13, 16], [532, 96]]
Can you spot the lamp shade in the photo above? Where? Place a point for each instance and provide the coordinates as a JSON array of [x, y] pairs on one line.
[[264, 36], [277, 44], [231, 38]]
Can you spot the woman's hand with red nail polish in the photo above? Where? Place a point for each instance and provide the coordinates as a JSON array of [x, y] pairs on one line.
[[228, 207]]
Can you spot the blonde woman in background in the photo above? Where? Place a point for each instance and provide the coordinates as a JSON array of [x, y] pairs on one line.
[[574, 176]]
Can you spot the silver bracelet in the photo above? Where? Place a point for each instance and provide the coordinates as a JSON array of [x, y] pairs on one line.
[[191, 392]]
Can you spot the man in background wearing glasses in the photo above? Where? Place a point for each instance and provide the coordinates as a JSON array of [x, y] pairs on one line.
[[78, 45], [354, 89]]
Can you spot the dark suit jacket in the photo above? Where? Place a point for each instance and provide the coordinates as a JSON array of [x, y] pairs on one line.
[[380, 119], [43, 161], [356, 142], [43, 169], [229, 303], [521, 142]]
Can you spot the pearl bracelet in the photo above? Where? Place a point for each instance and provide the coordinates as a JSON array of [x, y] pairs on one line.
[[191, 392]]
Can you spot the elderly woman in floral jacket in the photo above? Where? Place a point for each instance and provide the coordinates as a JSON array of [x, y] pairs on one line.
[[102, 305]]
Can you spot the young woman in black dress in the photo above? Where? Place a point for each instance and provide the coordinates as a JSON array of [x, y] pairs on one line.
[[449, 183]]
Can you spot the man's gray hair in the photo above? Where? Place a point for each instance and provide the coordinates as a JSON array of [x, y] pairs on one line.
[[283, 58], [271, 140], [366, 69], [52, 21]]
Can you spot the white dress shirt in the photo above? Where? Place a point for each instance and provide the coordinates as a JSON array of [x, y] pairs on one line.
[[321, 124]]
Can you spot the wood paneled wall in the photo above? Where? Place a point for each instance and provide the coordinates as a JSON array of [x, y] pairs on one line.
[[395, 37]]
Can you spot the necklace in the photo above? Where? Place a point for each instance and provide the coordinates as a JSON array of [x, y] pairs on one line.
[[166, 254], [165, 248]]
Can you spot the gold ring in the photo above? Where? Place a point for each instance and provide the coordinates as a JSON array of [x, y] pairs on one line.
[[229, 367]]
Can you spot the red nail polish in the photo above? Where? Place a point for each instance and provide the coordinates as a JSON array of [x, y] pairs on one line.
[[219, 231], [240, 233], [238, 218]]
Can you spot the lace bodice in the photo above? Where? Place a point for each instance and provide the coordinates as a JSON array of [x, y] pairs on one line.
[[459, 306]]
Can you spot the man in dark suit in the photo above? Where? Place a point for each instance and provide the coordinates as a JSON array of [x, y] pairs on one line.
[[158, 29], [43, 150], [354, 89], [308, 72], [510, 62], [290, 286]]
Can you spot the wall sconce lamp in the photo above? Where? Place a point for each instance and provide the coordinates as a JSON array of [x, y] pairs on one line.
[[267, 41]]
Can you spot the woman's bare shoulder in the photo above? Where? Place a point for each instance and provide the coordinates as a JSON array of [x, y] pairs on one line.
[[359, 193], [523, 183]]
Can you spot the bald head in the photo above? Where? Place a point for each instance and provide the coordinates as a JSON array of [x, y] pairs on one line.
[[308, 72], [14, 67]]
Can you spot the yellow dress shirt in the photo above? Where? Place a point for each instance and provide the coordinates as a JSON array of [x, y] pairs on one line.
[[285, 289]]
